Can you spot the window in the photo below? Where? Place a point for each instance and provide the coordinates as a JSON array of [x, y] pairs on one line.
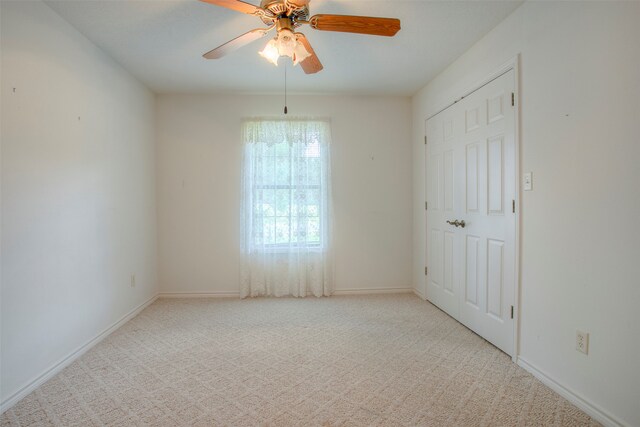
[[286, 184]]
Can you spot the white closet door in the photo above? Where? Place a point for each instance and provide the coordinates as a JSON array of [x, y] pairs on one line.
[[471, 178]]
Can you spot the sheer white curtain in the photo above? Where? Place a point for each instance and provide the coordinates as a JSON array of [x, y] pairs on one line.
[[286, 211]]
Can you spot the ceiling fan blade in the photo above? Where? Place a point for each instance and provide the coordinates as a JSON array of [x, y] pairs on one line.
[[356, 24], [311, 64], [237, 5], [236, 43]]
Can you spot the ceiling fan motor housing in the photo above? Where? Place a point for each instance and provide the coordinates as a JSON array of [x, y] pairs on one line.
[[279, 9]]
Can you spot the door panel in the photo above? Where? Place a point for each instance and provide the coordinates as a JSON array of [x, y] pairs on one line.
[[495, 176], [447, 129], [437, 182], [436, 258], [448, 170], [472, 188], [495, 107], [448, 262], [495, 275], [471, 270], [471, 177], [472, 121]]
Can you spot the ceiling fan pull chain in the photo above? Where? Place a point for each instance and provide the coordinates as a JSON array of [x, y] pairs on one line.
[[285, 87]]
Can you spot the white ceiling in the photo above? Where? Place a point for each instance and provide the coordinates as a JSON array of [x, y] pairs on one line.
[[161, 42]]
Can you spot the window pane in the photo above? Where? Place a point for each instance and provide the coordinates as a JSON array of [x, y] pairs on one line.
[[267, 150], [313, 230], [283, 202], [258, 230], [312, 197], [298, 207], [313, 210], [295, 232], [269, 228], [265, 202], [283, 171], [282, 149], [282, 230], [300, 201], [300, 171], [312, 150], [313, 173], [265, 175]]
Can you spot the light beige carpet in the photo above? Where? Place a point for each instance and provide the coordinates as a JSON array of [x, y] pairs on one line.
[[354, 361]]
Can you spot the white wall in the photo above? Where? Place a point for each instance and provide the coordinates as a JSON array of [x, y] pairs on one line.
[[78, 192], [580, 107], [199, 167]]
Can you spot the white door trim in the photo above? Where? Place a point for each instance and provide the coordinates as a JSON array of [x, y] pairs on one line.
[[512, 64]]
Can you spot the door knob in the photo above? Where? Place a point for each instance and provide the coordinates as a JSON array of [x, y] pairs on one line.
[[457, 223]]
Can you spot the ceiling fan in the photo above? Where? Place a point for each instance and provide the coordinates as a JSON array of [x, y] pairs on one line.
[[285, 16]]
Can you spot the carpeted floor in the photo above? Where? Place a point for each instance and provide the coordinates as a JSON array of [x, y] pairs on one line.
[[359, 360]]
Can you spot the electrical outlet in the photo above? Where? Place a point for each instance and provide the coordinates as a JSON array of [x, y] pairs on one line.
[[582, 342], [133, 280]]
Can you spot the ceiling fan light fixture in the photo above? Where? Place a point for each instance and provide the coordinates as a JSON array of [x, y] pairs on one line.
[[285, 16], [300, 53], [270, 52], [286, 42]]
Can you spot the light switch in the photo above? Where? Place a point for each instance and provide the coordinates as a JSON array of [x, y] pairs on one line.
[[528, 181]]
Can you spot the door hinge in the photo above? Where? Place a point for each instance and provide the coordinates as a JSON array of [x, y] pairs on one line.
[[426, 206], [513, 99], [425, 139], [426, 271], [513, 206], [512, 312]]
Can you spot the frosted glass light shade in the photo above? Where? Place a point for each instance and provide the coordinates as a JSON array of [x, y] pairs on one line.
[[299, 53], [286, 42], [270, 52]]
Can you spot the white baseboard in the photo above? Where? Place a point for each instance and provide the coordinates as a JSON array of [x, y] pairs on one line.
[[70, 358], [419, 293], [590, 408], [199, 295], [369, 291], [337, 292]]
